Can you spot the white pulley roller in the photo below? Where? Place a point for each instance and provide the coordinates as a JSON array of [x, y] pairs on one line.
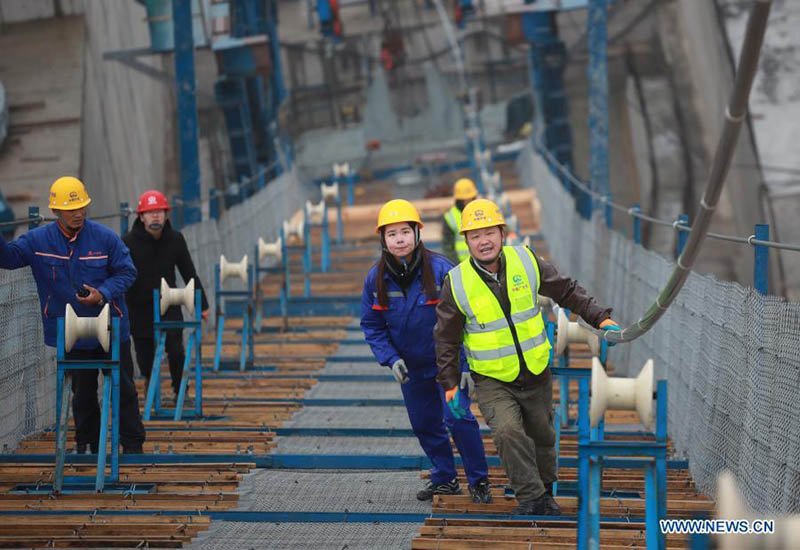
[[731, 506], [270, 250], [228, 269], [315, 209], [177, 297], [329, 191], [626, 394], [571, 332], [87, 327], [340, 170], [293, 229]]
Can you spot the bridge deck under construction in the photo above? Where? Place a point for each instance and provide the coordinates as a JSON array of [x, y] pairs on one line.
[[312, 448]]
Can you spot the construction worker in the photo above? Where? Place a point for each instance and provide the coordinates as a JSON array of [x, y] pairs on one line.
[[489, 305], [453, 244], [79, 262], [157, 249], [397, 316]]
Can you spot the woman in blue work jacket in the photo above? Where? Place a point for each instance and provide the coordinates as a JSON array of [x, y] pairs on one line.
[[398, 312]]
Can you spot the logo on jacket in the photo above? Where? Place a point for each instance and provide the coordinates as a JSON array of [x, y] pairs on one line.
[[518, 283]]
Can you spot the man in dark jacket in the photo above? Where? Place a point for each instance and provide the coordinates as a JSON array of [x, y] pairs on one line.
[[82, 263], [157, 250]]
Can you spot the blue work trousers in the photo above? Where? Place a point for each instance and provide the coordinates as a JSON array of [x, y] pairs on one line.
[[431, 419]]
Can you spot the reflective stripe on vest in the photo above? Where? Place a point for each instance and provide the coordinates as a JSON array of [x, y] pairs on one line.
[[488, 341], [453, 219]]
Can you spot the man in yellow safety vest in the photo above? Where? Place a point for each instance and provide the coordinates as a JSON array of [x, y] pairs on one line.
[[454, 247], [489, 304]]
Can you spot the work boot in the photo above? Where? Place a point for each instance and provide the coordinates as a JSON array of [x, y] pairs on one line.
[[545, 505], [134, 449], [481, 492], [451, 488], [87, 448]]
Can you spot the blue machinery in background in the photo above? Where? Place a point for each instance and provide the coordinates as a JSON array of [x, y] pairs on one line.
[[222, 271], [249, 91], [192, 360], [548, 61]]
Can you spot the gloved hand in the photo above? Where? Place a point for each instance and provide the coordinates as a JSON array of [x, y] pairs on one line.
[[400, 371], [455, 401], [610, 324], [467, 383]]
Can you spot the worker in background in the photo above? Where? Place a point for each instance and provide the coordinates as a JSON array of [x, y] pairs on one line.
[[398, 312], [453, 244], [157, 249], [489, 305], [79, 262]]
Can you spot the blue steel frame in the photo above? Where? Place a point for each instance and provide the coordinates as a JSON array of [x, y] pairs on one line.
[[187, 109], [338, 203], [278, 269], [193, 350], [325, 246], [110, 407], [247, 355], [592, 452], [761, 260]]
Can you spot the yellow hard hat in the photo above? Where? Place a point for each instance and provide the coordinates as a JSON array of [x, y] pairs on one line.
[[395, 211], [68, 193], [481, 213], [465, 190]]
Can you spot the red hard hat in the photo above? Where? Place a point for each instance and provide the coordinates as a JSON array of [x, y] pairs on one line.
[[152, 200]]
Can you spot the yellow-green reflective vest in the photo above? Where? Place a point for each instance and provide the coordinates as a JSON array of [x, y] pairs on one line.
[[453, 219], [488, 341]]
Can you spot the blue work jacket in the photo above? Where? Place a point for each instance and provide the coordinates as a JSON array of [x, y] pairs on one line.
[[95, 256], [404, 329]]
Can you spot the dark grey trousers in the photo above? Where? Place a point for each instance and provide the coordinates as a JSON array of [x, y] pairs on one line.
[[521, 421]]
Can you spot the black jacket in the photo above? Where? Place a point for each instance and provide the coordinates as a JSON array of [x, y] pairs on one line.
[[155, 259]]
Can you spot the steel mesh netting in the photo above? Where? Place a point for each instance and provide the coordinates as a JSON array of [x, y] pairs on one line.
[[238, 229], [332, 491], [27, 367], [350, 417], [730, 355], [296, 536]]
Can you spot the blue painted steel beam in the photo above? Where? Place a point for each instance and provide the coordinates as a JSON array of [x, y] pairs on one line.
[[322, 517], [312, 402], [337, 306], [335, 462], [187, 110]]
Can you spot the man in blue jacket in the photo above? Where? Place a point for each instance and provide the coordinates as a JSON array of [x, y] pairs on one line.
[[85, 264]]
